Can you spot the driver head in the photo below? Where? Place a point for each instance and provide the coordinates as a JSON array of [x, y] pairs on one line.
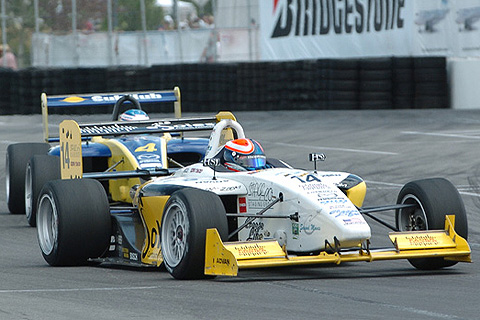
[[133, 115], [244, 154]]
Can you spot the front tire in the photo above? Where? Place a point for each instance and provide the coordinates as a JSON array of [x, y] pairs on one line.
[[435, 198], [73, 221], [40, 169], [186, 217], [17, 158]]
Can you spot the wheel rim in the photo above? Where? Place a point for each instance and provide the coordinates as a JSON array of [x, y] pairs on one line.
[[412, 219], [28, 192], [47, 224], [7, 178], [175, 230]]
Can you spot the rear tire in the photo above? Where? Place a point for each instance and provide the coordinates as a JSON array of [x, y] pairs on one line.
[[435, 198], [187, 215], [73, 221], [40, 169], [17, 158]]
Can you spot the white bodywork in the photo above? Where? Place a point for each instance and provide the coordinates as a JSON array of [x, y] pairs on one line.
[[324, 212]]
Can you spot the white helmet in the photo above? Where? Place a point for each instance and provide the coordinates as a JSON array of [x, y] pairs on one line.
[[133, 115]]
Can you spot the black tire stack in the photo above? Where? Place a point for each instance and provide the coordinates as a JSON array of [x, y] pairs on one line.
[[343, 84], [336, 84], [430, 78], [403, 83], [375, 90], [6, 82]]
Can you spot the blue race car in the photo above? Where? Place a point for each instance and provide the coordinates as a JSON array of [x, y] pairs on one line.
[[151, 151]]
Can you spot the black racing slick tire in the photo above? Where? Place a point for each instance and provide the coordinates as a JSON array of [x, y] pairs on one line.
[[186, 217], [435, 198], [40, 169], [17, 158], [73, 221]]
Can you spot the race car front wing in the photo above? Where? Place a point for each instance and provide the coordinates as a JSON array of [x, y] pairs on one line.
[[227, 258]]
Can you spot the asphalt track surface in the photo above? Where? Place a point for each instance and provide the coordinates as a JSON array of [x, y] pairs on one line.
[[386, 148]]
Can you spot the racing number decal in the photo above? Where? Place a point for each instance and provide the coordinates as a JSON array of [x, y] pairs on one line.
[[70, 150], [65, 154], [149, 147]]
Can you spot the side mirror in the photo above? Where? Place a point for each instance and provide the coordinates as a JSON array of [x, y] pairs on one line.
[[314, 157], [212, 163]]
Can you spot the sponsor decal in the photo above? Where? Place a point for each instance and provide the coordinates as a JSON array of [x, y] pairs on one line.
[[353, 221], [251, 250], [107, 129], [73, 99], [256, 231], [211, 181], [295, 230], [309, 227], [344, 213], [334, 201], [222, 261], [422, 240], [302, 18], [151, 158], [259, 195], [168, 126], [194, 170], [115, 97], [242, 204], [133, 256]]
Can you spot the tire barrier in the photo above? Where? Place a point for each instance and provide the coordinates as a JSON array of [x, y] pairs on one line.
[[326, 84]]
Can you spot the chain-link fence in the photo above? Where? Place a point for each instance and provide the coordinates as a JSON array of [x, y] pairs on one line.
[[86, 33]]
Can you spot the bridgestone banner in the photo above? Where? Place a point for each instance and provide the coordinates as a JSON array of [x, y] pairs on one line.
[[307, 29]]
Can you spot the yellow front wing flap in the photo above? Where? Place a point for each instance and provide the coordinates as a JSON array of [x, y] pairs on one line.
[[226, 258]]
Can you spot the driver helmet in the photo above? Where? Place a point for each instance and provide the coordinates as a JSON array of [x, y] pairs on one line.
[[133, 115], [244, 154]]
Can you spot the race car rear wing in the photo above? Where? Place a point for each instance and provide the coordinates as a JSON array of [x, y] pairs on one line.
[[105, 99], [71, 135]]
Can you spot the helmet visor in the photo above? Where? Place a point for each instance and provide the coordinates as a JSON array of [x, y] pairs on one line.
[[252, 161]]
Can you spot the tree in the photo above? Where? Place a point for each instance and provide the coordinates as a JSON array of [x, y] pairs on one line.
[[127, 15]]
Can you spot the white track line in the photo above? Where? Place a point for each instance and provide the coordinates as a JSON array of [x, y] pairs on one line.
[[79, 289], [449, 135], [472, 194], [330, 148]]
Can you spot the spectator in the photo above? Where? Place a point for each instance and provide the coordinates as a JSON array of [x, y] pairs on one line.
[[11, 60], [168, 23]]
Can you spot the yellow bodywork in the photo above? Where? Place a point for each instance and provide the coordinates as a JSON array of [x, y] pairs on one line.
[[151, 211], [357, 194], [227, 258]]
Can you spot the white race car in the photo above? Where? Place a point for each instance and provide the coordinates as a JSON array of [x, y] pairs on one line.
[[239, 209]]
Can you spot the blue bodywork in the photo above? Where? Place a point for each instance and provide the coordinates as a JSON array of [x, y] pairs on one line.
[[133, 143]]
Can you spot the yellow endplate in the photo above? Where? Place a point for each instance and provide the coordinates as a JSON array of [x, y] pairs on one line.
[[71, 164], [226, 258]]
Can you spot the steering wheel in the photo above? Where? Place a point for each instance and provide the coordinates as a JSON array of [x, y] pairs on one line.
[[121, 101]]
